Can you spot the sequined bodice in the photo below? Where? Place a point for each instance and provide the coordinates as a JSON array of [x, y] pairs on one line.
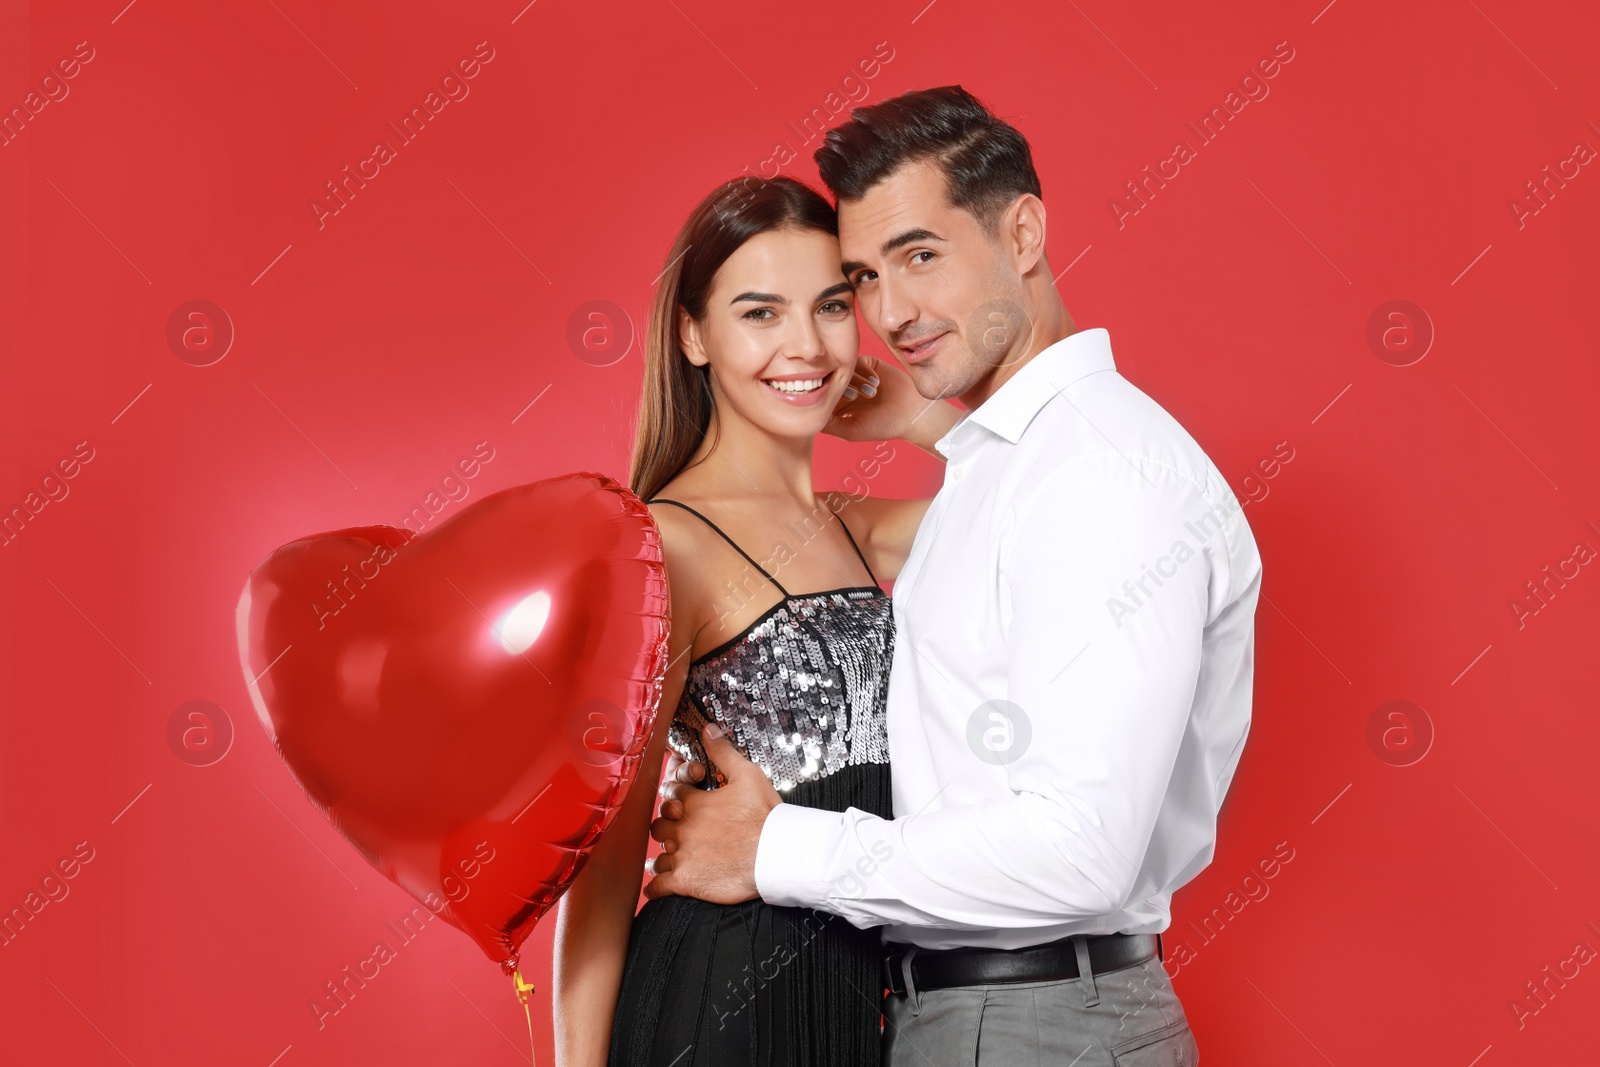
[[802, 691]]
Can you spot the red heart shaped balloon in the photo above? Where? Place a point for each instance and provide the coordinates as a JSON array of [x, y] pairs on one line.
[[468, 706]]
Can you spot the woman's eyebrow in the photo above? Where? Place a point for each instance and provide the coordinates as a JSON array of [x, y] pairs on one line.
[[763, 298], [835, 290]]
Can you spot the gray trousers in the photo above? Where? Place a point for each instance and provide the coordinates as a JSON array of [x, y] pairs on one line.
[[1125, 1018]]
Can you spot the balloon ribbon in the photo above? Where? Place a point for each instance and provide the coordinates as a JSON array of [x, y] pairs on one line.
[[524, 990]]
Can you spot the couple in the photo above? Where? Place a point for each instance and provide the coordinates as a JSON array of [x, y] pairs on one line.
[[1061, 683]]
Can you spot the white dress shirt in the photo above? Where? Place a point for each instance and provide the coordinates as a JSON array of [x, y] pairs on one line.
[[1071, 682]]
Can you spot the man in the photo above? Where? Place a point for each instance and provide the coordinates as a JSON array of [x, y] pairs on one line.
[[1071, 681]]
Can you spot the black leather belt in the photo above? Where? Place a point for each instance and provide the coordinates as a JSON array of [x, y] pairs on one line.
[[1052, 961]]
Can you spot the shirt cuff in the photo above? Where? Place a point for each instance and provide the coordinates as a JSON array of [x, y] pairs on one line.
[[792, 855]]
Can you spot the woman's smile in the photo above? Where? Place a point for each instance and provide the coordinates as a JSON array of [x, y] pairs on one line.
[[799, 388]]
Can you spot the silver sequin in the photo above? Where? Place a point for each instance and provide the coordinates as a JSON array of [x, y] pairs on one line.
[[802, 693]]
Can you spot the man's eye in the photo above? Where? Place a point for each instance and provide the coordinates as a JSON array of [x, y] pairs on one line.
[[866, 276], [753, 312], [924, 252]]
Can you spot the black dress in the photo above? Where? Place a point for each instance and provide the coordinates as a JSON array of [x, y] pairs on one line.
[[802, 693]]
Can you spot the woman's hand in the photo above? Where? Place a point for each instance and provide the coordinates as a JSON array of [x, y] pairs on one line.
[[879, 404]]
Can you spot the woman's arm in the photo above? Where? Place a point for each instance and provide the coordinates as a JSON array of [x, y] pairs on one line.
[[885, 528], [596, 913], [932, 422]]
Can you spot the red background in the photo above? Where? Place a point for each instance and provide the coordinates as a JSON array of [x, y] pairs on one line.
[[373, 352]]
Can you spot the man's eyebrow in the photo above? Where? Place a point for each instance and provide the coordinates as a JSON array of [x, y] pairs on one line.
[[906, 238], [898, 241], [761, 298]]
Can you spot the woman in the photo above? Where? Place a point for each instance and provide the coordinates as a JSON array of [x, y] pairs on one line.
[[752, 351]]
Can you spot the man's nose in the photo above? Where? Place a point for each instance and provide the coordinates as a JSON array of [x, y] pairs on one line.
[[895, 308]]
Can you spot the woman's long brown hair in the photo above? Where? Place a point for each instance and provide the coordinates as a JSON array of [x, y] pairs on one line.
[[676, 402]]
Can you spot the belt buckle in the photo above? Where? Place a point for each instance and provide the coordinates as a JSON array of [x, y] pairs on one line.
[[897, 972], [891, 973]]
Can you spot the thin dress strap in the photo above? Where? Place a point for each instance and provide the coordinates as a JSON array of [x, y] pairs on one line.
[[725, 537], [864, 563]]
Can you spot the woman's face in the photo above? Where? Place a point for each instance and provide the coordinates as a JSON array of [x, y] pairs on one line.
[[779, 331]]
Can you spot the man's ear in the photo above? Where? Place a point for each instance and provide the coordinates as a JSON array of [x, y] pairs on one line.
[[689, 338], [1022, 231]]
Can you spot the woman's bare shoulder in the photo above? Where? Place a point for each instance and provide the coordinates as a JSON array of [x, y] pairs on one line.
[[861, 513], [877, 517], [882, 526], [684, 551]]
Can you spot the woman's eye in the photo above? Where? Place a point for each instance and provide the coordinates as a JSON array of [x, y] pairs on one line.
[[754, 312], [834, 307]]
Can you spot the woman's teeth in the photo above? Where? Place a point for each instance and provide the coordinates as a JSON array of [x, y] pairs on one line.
[[807, 386]]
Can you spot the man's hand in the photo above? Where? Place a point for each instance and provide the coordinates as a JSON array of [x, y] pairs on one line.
[[709, 837]]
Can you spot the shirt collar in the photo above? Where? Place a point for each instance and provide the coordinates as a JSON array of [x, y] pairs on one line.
[[1012, 407]]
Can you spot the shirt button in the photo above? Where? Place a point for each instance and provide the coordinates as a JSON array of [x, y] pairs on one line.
[[957, 474]]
